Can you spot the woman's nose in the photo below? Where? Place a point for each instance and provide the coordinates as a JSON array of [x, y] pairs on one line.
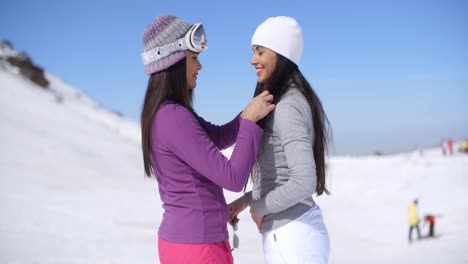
[[253, 61]]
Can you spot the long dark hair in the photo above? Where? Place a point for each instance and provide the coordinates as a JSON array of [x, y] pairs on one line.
[[169, 84], [286, 71]]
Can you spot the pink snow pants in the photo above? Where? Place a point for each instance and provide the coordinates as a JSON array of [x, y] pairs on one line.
[[208, 253]]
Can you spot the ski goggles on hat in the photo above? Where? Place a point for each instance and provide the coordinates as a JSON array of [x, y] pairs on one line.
[[195, 40]]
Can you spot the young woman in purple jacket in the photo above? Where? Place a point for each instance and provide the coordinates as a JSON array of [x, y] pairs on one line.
[[182, 150]]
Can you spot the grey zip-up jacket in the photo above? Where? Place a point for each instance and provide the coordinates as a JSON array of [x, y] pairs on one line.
[[284, 175]]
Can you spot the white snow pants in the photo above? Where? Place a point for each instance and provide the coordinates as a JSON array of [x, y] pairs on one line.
[[303, 241]]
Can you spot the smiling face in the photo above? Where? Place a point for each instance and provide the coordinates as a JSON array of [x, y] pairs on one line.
[[264, 61], [193, 65]]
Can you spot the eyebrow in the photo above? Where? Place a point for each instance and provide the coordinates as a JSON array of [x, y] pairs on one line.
[[256, 48]]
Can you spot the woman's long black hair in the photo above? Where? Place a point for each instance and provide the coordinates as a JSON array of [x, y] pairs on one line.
[[169, 84], [286, 71]]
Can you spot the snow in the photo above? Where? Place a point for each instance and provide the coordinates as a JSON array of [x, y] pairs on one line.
[[72, 190]]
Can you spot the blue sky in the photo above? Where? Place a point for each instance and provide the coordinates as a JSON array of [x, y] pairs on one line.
[[392, 75]]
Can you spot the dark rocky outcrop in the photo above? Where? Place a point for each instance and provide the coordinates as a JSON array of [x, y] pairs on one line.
[[23, 62]]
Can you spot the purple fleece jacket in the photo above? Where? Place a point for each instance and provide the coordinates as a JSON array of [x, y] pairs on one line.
[[192, 173]]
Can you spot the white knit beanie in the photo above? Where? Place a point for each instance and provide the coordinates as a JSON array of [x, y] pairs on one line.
[[282, 35]]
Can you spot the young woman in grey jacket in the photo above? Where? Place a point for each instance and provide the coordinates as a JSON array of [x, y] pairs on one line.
[[290, 165]]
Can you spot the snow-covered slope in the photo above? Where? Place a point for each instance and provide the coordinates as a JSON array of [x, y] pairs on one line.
[[72, 190], [366, 213]]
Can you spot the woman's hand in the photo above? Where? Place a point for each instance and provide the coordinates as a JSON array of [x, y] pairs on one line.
[[259, 107], [257, 219], [235, 208]]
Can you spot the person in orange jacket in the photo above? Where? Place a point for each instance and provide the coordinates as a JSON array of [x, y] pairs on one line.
[[429, 218], [413, 219], [450, 146]]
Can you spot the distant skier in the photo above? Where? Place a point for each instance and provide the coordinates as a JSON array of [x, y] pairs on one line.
[[450, 146], [444, 148], [464, 145], [413, 219], [429, 218]]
